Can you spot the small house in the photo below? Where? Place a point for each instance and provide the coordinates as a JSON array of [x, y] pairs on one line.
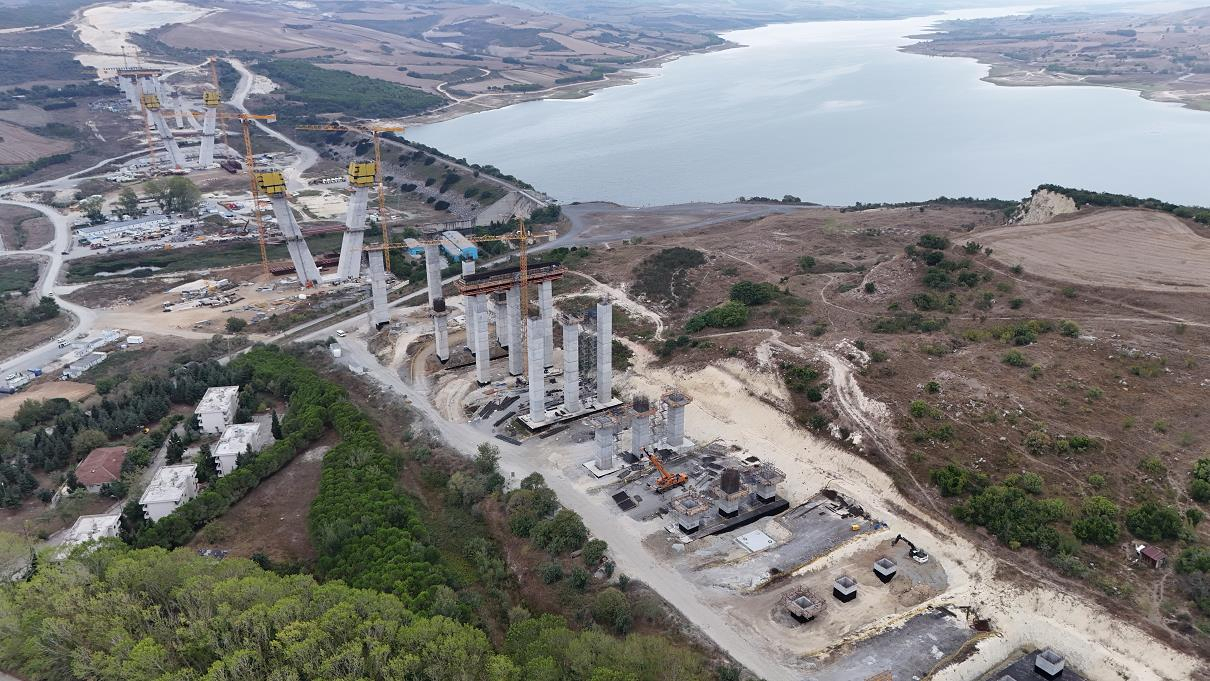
[[1153, 556], [102, 465], [90, 528]]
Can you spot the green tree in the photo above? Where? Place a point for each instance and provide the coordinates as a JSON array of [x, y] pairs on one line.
[[1154, 522], [1098, 522], [806, 263], [176, 449], [750, 293], [563, 533], [275, 426], [183, 196], [611, 609], [87, 440], [128, 202], [207, 467], [94, 209], [235, 324]]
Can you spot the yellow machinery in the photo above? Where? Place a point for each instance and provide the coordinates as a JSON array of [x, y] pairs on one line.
[[254, 178], [375, 131], [270, 183], [362, 174], [151, 102], [668, 480]]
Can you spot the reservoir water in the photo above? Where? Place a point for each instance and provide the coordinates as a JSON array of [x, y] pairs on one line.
[[832, 112]]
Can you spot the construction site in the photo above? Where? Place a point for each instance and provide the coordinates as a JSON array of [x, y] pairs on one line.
[[792, 548]]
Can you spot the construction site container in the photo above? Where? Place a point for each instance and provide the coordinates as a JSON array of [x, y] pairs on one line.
[[414, 247], [451, 249]]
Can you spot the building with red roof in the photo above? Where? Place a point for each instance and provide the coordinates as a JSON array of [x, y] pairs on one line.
[[102, 465]]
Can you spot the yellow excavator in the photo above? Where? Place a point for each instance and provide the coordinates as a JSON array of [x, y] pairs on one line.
[[668, 480]]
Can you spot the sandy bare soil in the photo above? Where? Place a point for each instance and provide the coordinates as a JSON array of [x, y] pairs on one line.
[[21, 146], [44, 390], [1133, 249]]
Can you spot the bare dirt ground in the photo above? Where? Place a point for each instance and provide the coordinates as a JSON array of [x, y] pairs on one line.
[[22, 228], [44, 390], [272, 519], [1134, 249], [22, 146]]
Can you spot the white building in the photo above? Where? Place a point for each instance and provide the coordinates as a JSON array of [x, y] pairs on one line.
[[216, 411], [83, 364], [88, 528], [235, 441], [171, 487]]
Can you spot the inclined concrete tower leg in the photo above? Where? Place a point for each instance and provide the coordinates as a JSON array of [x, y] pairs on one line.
[[191, 120], [300, 254], [500, 312], [472, 312], [442, 334], [483, 358], [174, 150], [547, 305], [206, 154], [378, 291], [571, 367], [515, 360], [178, 112], [354, 236], [432, 269], [604, 351], [537, 373]]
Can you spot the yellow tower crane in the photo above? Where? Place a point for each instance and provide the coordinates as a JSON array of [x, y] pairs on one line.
[[245, 120], [375, 131]]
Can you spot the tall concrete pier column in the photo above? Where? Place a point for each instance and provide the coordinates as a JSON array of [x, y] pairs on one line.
[[640, 425], [604, 351], [483, 357], [515, 360], [571, 367], [468, 302], [606, 446], [441, 330], [500, 312], [674, 423], [432, 271], [547, 306], [537, 373]]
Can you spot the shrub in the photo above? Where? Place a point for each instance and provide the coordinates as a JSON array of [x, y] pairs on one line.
[[579, 578], [955, 480], [1153, 522], [1069, 329], [235, 324], [551, 573], [728, 315], [1014, 358], [611, 609], [933, 241], [806, 263], [563, 533], [1200, 491], [1098, 522], [594, 552], [932, 387], [750, 293]]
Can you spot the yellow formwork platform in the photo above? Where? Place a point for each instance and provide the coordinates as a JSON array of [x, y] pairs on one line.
[[361, 173], [271, 183]]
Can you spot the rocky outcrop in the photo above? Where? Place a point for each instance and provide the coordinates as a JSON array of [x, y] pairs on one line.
[[1042, 207]]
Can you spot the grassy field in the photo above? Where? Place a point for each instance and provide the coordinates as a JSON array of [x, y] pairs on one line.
[[18, 276], [193, 258]]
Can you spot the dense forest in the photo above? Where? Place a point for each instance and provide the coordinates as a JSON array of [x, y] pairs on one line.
[[315, 90]]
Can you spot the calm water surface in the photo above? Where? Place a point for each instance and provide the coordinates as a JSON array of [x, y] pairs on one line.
[[833, 113]]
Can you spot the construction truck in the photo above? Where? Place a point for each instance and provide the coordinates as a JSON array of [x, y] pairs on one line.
[[667, 480]]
